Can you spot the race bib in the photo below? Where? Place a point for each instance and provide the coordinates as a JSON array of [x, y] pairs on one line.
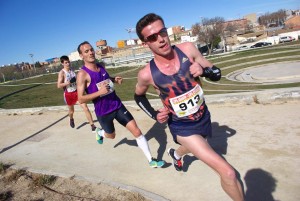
[[110, 84], [188, 103]]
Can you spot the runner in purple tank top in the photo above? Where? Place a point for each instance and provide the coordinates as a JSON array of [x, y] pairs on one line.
[[95, 84]]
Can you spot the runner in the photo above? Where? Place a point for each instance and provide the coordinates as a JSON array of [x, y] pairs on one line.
[[67, 81], [174, 73], [98, 85]]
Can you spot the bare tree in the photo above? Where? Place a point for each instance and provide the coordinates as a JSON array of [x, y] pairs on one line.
[[209, 31], [276, 18]]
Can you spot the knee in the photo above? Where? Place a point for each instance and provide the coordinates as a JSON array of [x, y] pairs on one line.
[[230, 174], [110, 136], [136, 132], [85, 108]]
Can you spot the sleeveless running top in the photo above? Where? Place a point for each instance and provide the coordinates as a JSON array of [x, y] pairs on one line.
[[180, 92], [68, 76], [106, 103]]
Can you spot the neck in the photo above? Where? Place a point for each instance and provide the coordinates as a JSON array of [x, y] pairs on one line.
[[166, 61], [165, 58], [90, 65]]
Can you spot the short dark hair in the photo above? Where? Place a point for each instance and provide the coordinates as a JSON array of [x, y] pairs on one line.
[[145, 21], [64, 58], [81, 44]]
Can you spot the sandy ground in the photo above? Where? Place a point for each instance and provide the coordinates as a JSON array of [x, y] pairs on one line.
[[22, 185], [261, 141]]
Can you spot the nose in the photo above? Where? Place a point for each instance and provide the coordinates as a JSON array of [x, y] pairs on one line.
[[160, 38]]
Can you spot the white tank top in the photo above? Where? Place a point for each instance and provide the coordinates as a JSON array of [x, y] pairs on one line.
[[68, 76]]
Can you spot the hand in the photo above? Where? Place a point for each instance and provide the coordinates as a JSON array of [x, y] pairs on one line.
[[196, 69], [118, 79], [103, 88], [73, 80], [163, 115]]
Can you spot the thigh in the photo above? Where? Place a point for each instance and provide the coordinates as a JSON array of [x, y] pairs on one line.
[[199, 147], [107, 122], [123, 116]]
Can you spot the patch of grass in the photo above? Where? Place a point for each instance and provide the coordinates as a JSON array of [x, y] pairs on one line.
[[15, 175], [42, 180], [47, 93], [3, 167], [255, 99]]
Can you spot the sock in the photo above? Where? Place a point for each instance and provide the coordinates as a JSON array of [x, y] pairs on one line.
[[176, 156], [143, 145], [101, 132]]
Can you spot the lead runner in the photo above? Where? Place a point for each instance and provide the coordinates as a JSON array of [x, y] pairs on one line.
[[174, 73]]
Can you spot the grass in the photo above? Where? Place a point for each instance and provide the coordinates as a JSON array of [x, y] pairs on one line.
[[41, 91]]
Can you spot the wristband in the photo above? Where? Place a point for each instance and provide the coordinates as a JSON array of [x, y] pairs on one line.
[[213, 73], [113, 79]]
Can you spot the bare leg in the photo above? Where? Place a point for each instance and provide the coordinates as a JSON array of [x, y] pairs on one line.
[[140, 139], [87, 113], [201, 149], [71, 111], [181, 151], [134, 129]]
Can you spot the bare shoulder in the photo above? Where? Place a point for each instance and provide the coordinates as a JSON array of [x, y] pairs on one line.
[[145, 74], [190, 50], [186, 46], [81, 73], [61, 74]]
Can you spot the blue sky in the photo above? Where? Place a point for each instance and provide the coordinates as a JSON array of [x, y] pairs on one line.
[[51, 28]]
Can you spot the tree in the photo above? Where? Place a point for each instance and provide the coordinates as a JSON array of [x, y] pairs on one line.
[[208, 31], [276, 18], [38, 65]]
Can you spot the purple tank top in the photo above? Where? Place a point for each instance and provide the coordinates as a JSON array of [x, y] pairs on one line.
[[104, 104]]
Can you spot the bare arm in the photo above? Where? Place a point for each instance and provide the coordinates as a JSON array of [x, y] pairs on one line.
[[198, 61], [144, 81], [200, 65], [61, 80]]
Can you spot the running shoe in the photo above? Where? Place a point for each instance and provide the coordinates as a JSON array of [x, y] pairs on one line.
[[177, 163], [93, 127], [72, 124], [99, 137], [156, 163]]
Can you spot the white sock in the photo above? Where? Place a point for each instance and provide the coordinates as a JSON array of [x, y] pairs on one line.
[[143, 145], [101, 132], [176, 155]]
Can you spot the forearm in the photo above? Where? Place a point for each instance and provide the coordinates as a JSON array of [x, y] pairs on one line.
[[85, 98], [145, 105], [62, 85]]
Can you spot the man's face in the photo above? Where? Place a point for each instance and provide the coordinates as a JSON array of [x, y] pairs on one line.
[[156, 37], [66, 64], [87, 53]]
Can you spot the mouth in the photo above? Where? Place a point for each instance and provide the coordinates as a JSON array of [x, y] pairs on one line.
[[164, 46]]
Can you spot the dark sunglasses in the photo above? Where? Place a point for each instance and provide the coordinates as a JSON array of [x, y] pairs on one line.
[[153, 37]]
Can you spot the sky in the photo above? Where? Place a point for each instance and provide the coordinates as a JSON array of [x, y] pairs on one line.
[[52, 28]]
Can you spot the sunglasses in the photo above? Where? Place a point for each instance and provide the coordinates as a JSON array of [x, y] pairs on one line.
[[153, 37]]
